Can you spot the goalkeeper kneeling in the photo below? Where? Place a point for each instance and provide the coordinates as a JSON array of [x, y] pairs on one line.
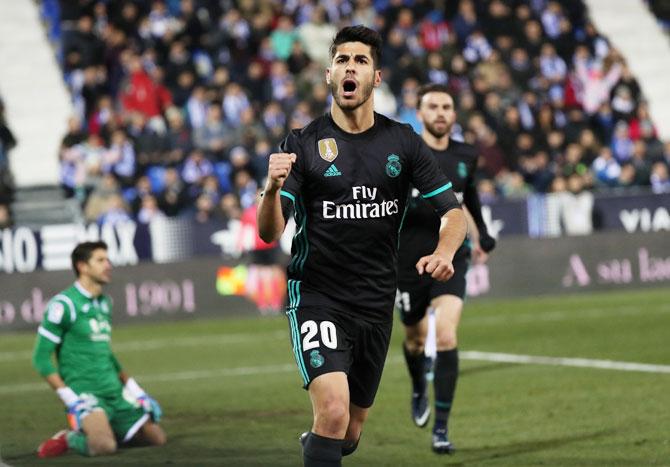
[[105, 407]]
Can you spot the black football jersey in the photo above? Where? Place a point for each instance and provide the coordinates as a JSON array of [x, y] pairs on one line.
[[349, 193], [419, 234]]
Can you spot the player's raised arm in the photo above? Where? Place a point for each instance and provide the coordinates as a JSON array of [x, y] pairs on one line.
[[271, 221], [282, 187]]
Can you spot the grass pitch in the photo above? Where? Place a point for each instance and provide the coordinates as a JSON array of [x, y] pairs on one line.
[[231, 393]]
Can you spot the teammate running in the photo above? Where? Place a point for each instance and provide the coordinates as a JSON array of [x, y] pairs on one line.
[[417, 293]]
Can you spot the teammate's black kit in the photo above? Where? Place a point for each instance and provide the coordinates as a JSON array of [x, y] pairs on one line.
[[419, 236], [349, 192]]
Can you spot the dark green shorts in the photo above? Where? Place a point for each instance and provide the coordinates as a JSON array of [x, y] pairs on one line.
[[124, 413]]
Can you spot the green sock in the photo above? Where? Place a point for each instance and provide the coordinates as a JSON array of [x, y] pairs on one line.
[[77, 441]]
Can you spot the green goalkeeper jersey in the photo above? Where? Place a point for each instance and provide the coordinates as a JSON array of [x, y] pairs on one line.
[[77, 326]]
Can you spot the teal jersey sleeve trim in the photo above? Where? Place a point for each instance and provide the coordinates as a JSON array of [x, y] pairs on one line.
[[402, 222], [437, 191], [288, 195]]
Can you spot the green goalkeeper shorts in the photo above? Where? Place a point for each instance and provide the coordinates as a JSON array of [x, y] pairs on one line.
[[123, 411]]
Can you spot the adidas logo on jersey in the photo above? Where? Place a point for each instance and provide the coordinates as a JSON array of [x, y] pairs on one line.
[[332, 171]]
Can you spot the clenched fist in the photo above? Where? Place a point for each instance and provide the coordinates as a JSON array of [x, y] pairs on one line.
[[278, 169], [438, 266]]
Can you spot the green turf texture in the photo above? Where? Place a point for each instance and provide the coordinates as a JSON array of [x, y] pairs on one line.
[[231, 393]]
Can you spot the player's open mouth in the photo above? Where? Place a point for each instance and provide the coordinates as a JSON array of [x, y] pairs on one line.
[[349, 87]]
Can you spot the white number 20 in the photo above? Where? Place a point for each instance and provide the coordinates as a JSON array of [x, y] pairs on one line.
[[328, 334]]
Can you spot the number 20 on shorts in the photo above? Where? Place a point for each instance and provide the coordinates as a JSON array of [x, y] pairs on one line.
[[326, 330]]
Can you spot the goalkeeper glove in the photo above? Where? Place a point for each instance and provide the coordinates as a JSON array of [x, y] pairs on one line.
[[151, 407], [77, 406], [148, 403]]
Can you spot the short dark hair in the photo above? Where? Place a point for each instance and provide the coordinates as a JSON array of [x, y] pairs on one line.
[[362, 34], [426, 88], [83, 252]]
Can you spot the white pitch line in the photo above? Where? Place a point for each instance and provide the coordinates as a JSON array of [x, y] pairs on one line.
[[558, 361], [178, 376], [205, 374], [214, 339], [286, 368]]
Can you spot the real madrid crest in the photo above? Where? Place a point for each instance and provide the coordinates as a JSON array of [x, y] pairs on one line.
[[316, 359], [328, 149], [393, 166]]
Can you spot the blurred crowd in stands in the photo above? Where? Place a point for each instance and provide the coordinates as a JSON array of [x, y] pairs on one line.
[[178, 104]]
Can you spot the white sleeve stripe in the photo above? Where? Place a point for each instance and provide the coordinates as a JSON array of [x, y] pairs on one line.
[[49, 335], [68, 301]]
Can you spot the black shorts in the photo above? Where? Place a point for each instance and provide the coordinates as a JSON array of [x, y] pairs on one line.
[[327, 340], [415, 292]]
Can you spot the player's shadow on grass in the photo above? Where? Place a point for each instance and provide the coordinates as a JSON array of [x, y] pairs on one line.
[[476, 455], [232, 453], [187, 448], [222, 415]]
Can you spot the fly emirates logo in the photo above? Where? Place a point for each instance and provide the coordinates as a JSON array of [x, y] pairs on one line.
[[365, 206]]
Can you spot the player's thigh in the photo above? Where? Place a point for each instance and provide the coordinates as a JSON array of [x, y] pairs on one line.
[[370, 349], [150, 434], [446, 298], [321, 342], [329, 393], [448, 310], [96, 424], [99, 433], [413, 298]]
